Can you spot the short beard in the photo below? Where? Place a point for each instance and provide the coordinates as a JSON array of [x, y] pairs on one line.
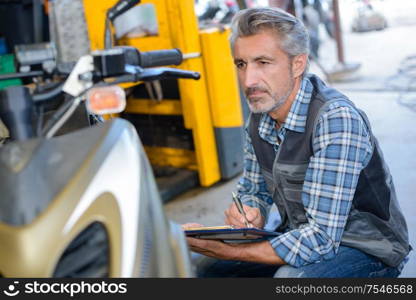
[[277, 101]]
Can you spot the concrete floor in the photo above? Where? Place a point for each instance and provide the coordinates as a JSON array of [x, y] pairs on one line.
[[394, 123]]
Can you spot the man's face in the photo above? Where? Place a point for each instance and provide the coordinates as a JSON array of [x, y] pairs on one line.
[[264, 71]]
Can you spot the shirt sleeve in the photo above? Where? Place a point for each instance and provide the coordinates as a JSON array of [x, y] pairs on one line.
[[252, 188], [342, 148]]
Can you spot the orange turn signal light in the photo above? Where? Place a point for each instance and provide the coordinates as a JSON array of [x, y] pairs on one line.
[[106, 100]]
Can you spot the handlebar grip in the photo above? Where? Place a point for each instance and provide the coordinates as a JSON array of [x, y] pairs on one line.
[[160, 58]]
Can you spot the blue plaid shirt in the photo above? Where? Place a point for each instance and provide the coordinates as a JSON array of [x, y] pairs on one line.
[[341, 149]]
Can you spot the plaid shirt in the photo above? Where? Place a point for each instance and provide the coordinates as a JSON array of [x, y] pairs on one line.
[[341, 149]]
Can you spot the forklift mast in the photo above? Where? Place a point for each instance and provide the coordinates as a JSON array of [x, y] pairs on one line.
[[192, 130]]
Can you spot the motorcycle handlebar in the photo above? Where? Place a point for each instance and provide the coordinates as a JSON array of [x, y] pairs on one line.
[[112, 62], [151, 59], [20, 75], [159, 58], [115, 62]]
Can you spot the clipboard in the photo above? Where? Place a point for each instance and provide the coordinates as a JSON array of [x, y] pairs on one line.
[[229, 233]]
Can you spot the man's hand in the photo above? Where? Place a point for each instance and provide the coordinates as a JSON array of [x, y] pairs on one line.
[[254, 217], [214, 248], [210, 248], [261, 252]]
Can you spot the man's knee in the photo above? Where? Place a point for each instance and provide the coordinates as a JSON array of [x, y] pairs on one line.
[[201, 263], [287, 271]]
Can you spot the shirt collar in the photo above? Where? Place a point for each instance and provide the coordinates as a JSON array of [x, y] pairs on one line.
[[298, 113], [296, 119]]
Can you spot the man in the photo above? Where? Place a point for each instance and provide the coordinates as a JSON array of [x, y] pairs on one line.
[[311, 152]]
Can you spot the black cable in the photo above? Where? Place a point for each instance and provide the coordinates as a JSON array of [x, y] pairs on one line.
[[21, 75], [39, 126], [44, 96], [108, 36], [57, 115]]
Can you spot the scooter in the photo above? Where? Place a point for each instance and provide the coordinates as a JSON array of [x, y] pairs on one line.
[[81, 201]]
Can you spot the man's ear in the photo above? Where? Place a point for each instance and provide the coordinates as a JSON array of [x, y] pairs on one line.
[[299, 63]]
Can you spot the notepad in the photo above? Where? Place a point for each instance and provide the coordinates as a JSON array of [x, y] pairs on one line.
[[229, 233]]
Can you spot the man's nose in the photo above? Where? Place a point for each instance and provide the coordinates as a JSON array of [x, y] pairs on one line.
[[251, 77]]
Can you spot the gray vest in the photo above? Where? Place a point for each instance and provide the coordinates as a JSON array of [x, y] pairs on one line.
[[375, 224]]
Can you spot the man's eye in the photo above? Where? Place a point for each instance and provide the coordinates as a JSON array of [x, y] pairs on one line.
[[240, 65], [262, 62]]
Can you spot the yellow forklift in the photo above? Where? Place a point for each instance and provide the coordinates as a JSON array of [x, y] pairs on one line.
[[192, 130]]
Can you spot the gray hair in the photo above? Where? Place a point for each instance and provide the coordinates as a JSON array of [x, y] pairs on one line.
[[293, 35]]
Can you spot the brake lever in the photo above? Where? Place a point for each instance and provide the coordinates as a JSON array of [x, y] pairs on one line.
[[151, 74]]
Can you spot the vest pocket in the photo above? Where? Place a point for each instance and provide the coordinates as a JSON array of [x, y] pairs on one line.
[[295, 208], [294, 195], [294, 181], [290, 181]]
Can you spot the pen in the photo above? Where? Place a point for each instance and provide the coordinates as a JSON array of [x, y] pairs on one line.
[[239, 205]]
